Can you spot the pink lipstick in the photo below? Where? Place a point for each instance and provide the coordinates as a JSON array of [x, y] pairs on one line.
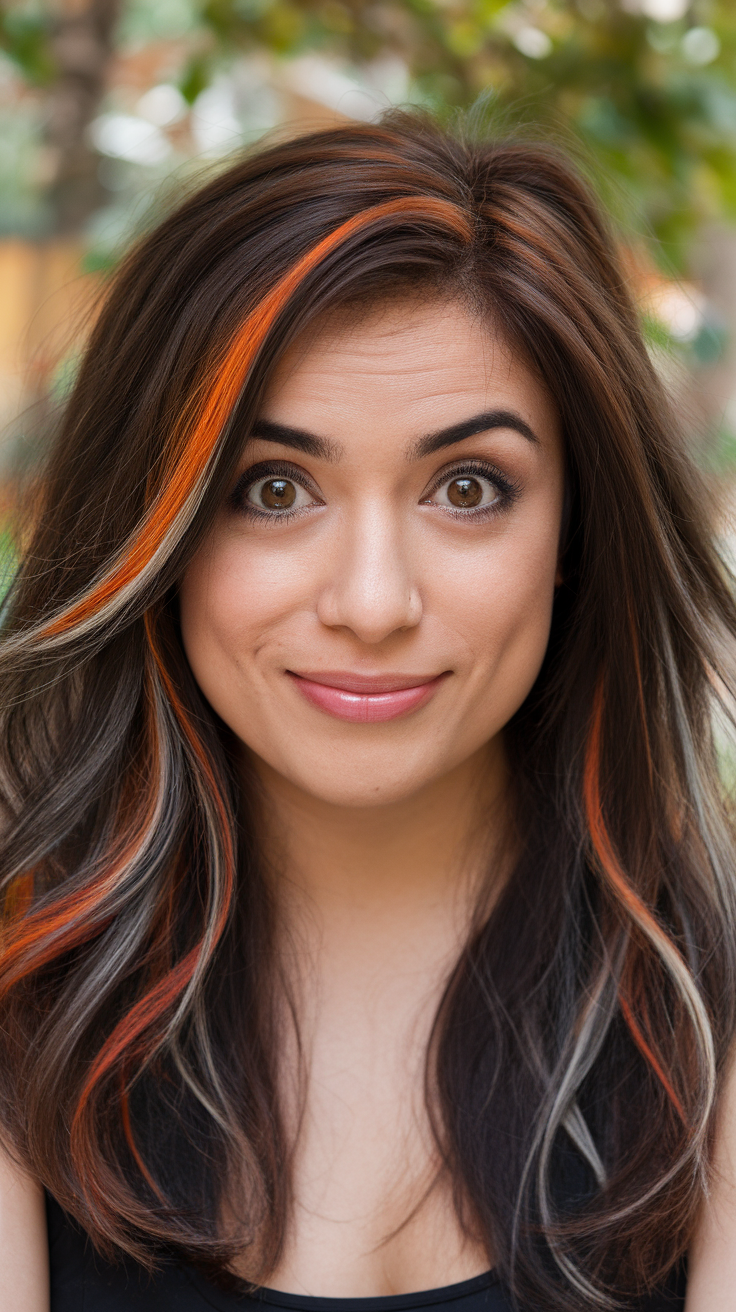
[[365, 698]]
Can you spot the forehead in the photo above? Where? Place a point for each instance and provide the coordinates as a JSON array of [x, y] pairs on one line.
[[410, 364]]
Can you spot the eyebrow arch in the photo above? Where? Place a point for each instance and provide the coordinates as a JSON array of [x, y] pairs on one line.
[[319, 447], [482, 423]]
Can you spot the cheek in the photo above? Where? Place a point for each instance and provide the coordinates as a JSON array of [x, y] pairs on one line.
[[501, 606], [228, 600], [487, 615]]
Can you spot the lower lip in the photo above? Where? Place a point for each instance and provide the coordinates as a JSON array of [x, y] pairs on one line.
[[366, 707]]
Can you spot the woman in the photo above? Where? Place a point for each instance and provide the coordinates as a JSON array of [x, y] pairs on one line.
[[369, 910]]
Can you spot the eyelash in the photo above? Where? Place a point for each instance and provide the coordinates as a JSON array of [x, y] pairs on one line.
[[507, 488], [266, 469]]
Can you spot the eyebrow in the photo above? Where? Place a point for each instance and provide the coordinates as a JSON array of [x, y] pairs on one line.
[[482, 423], [319, 447], [323, 449]]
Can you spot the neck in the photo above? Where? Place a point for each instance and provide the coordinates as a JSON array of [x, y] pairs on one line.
[[387, 872], [374, 905]]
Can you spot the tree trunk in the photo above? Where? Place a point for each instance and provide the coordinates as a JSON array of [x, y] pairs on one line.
[[82, 48]]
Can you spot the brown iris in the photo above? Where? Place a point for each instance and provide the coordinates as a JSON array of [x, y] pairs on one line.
[[465, 492], [278, 494]]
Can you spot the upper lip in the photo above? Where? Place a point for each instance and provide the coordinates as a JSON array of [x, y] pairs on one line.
[[349, 681]]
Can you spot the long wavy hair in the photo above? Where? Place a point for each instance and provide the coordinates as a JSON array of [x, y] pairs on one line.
[[575, 1058]]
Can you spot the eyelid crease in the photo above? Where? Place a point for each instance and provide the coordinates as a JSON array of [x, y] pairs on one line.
[[509, 487], [272, 469]]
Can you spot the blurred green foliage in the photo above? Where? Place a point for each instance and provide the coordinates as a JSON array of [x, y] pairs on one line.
[[24, 34], [647, 86], [643, 91], [654, 102]]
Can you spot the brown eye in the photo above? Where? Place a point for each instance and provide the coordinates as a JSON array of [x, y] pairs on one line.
[[278, 493], [465, 492], [273, 493]]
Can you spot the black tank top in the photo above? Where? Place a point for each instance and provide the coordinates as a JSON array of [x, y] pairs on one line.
[[82, 1282]]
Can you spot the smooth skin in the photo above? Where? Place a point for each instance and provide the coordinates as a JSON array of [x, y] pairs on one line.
[[378, 832], [24, 1260], [711, 1277]]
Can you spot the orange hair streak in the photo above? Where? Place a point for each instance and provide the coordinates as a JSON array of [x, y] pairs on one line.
[[609, 865], [142, 1016], [128, 1034], [32, 939], [223, 395], [132, 1145]]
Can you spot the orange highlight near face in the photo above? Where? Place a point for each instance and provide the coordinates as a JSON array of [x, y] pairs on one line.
[[140, 1018], [600, 837], [130, 1031], [604, 851], [32, 939], [224, 393], [650, 1057], [204, 764], [135, 1153]]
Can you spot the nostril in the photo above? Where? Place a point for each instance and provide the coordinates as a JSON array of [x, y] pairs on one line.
[[372, 616], [371, 604]]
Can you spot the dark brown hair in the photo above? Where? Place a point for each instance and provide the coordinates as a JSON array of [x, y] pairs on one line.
[[577, 1050]]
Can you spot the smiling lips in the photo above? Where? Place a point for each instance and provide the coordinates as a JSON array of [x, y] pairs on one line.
[[364, 698]]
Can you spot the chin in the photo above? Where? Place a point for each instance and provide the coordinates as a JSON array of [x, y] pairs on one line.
[[357, 787], [367, 796]]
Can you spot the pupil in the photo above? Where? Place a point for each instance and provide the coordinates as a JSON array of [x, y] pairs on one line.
[[278, 494], [465, 492]]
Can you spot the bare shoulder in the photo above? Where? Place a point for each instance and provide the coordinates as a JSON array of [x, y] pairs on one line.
[[712, 1258], [24, 1263]]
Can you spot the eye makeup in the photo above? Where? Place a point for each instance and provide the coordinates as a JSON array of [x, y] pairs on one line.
[[468, 484], [282, 489], [277, 490]]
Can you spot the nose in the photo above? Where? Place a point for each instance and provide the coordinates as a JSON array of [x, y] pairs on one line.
[[371, 590]]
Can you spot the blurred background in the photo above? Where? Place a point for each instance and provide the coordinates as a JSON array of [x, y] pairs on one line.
[[109, 107]]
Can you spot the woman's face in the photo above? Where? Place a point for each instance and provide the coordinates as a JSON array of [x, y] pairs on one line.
[[373, 602]]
